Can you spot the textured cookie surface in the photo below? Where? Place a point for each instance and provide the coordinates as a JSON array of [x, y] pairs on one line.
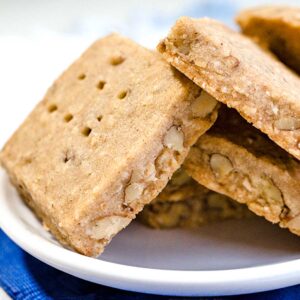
[[105, 140], [185, 203], [237, 72], [237, 160], [276, 28], [180, 187]]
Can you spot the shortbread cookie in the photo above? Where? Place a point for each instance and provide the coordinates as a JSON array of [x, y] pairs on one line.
[[105, 140], [180, 187], [237, 160], [237, 72], [276, 28], [185, 203]]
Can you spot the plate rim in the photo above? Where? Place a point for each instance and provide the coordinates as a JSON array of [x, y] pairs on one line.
[[145, 280]]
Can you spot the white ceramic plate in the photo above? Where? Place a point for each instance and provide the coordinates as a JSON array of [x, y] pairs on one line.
[[225, 258]]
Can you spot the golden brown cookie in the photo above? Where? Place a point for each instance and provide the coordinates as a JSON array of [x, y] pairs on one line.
[[180, 187], [237, 160], [185, 203], [277, 28], [237, 72], [104, 141]]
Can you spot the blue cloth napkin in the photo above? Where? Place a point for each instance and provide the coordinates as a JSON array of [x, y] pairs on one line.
[[24, 277]]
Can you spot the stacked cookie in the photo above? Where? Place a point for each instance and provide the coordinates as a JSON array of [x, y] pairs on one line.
[[115, 126], [234, 158], [186, 203]]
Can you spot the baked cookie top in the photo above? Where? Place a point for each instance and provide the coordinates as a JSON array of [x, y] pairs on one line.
[[237, 72], [276, 28], [285, 14], [104, 141]]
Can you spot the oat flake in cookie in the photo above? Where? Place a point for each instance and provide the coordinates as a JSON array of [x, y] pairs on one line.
[[237, 72], [104, 141]]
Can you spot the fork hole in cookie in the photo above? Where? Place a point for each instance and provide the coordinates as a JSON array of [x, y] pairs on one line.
[[52, 108], [27, 160], [116, 60], [81, 76], [68, 118], [99, 118], [67, 158], [86, 131], [101, 84], [122, 94]]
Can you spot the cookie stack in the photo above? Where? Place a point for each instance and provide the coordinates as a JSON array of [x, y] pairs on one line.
[[117, 124]]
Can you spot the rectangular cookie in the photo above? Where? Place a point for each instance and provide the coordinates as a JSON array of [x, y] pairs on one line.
[[186, 204], [104, 141], [237, 160], [237, 72], [276, 28]]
